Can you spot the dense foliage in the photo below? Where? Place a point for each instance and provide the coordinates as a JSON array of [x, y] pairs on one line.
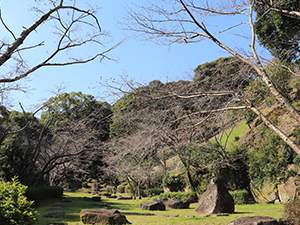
[[174, 183], [74, 106], [242, 197], [183, 196], [270, 159], [15, 209], [19, 148], [277, 31], [89, 118]]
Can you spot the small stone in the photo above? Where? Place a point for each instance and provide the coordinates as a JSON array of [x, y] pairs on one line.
[[255, 220]]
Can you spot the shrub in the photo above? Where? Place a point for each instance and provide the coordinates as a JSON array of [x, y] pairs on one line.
[[153, 191], [241, 197], [182, 196], [292, 212], [40, 193], [15, 209], [175, 183], [270, 159]]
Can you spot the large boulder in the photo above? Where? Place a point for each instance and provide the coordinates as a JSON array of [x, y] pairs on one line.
[[176, 204], [103, 217], [289, 191], [156, 205], [265, 193], [215, 200], [255, 220]]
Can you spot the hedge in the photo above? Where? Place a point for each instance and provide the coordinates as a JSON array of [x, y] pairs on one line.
[[242, 197], [183, 196]]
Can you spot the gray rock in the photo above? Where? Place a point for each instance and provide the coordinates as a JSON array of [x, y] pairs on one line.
[[255, 220], [176, 204], [156, 205], [103, 217], [289, 191], [266, 193], [215, 200]]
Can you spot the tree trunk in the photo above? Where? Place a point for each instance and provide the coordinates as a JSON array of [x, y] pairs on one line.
[[279, 97], [190, 180], [276, 130]]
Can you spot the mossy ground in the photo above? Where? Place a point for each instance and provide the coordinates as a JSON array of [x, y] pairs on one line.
[[75, 202]]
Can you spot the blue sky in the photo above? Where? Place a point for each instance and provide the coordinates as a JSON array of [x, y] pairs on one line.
[[138, 59]]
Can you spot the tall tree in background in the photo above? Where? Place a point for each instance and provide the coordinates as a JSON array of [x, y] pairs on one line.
[[64, 113], [279, 31]]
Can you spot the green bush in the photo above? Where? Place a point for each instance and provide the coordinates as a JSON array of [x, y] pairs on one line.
[[40, 193], [183, 196], [175, 183], [270, 159], [292, 213], [153, 191], [241, 197], [15, 209]]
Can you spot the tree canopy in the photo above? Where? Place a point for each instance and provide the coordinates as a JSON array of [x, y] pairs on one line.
[[278, 32]]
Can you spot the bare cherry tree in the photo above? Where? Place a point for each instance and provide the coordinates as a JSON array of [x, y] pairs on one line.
[[133, 159], [70, 29], [186, 22]]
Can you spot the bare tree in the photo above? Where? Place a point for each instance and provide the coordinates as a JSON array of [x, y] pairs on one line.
[[180, 121], [183, 21], [70, 28], [133, 159]]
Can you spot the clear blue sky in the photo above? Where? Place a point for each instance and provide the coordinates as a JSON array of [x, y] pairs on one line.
[[140, 60]]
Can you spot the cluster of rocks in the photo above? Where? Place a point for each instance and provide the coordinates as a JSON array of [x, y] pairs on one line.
[[215, 200], [271, 193], [160, 205]]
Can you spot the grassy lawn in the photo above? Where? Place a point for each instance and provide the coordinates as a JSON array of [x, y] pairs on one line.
[[75, 203]]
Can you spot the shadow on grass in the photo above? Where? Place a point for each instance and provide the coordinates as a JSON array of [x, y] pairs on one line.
[[241, 213], [138, 214], [73, 205]]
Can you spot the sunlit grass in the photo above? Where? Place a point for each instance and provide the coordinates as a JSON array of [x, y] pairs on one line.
[[168, 217]]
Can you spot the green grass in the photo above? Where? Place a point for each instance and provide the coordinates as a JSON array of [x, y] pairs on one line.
[[138, 217], [229, 137]]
